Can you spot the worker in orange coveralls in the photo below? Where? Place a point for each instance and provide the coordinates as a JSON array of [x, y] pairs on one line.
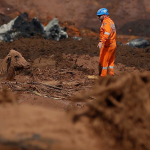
[[107, 43]]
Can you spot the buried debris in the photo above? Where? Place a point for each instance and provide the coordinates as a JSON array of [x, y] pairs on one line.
[[140, 43], [120, 111], [21, 26], [13, 62], [77, 38], [54, 31]]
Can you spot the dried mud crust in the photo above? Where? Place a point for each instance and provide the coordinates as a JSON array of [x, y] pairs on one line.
[[119, 111]]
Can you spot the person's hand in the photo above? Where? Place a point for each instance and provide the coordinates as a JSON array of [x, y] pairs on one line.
[[100, 44]]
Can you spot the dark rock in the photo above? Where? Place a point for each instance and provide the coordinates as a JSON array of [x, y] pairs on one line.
[[22, 26], [140, 43], [119, 43]]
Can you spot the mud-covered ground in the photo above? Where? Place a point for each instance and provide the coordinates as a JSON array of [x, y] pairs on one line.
[[61, 70], [67, 66], [60, 102]]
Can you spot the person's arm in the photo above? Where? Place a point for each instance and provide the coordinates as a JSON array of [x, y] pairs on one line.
[[107, 32]]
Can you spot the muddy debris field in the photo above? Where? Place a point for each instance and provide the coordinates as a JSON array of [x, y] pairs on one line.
[[58, 104]]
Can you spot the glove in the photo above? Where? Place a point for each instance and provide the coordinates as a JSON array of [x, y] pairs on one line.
[[100, 44]]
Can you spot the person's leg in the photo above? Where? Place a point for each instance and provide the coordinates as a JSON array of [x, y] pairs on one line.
[[111, 62], [103, 62]]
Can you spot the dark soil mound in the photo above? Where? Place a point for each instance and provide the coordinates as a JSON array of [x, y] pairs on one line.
[[35, 47], [138, 28], [120, 111], [4, 19], [133, 57]]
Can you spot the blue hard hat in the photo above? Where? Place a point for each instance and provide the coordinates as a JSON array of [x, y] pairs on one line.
[[102, 11]]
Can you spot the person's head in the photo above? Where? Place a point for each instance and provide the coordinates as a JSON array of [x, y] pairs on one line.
[[101, 13]]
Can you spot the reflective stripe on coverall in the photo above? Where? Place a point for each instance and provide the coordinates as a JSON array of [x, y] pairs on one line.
[[107, 52]]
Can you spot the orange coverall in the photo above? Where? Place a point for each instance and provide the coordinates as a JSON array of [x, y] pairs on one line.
[[107, 52]]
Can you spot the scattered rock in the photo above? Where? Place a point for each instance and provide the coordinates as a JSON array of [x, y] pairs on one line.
[[77, 38], [140, 43], [22, 26]]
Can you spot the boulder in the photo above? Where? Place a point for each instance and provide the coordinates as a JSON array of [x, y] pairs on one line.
[[54, 31], [22, 26], [140, 43]]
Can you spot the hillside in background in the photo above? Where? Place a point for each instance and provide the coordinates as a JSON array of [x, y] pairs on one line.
[[82, 13]]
